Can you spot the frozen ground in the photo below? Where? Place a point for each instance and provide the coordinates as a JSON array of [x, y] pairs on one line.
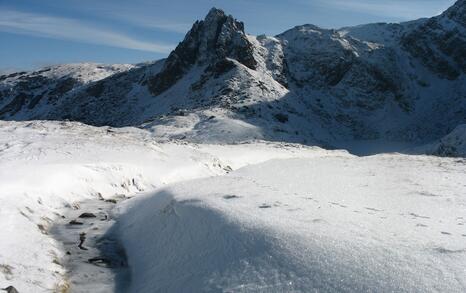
[[259, 217]]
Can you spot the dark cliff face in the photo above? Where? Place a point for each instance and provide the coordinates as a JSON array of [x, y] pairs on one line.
[[217, 37]]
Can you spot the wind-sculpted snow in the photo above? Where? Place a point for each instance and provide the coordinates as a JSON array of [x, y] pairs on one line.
[[323, 224]]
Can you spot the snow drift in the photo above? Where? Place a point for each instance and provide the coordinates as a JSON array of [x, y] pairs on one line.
[[324, 224]]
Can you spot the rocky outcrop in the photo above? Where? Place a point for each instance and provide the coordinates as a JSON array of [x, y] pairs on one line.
[[451, 145], [24, 91], [217, 37], [343, 66]]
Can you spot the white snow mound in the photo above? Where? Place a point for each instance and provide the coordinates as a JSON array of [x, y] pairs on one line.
[[334, 223]]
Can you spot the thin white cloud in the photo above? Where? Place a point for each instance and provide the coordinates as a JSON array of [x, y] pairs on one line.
[[150, 23], [141, 13], [71, 29]]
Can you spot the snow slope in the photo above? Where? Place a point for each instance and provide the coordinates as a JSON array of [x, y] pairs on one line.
[[49, 167], [290, 218], [332, 223]]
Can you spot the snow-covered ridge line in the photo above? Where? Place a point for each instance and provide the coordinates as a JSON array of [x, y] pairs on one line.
[[390, 82]]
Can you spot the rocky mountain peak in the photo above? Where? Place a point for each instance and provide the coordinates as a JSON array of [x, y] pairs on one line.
[[209, 41], [215, 16]]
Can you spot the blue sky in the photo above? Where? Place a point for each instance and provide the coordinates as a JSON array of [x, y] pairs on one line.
[[35, 33]]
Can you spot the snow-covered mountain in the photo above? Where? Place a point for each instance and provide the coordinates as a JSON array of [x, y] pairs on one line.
[[29, 95], [451, 145], [398, 82]]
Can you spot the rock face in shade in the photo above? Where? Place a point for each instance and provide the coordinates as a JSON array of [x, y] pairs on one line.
[[393, 82], [212, 40]]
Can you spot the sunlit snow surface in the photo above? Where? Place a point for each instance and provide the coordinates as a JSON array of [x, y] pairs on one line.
[[287, 218], [388, 223]]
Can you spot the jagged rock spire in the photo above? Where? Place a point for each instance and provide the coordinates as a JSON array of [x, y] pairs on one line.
[[211, 40]]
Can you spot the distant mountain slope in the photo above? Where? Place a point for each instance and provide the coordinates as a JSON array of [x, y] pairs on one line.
[[29, 95], [451, 145], [398, 82]]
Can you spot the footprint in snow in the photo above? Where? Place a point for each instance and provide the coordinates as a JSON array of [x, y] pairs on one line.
[[337, 204], [294, 210], [373, 209], [448, 251], [311, 199], [418, 216]]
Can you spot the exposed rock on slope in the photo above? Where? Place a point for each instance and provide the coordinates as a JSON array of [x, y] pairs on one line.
[[209, 41], [34, 94], [451, 145]]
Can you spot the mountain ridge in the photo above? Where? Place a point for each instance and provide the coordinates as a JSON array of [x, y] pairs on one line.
[[395, 82]]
